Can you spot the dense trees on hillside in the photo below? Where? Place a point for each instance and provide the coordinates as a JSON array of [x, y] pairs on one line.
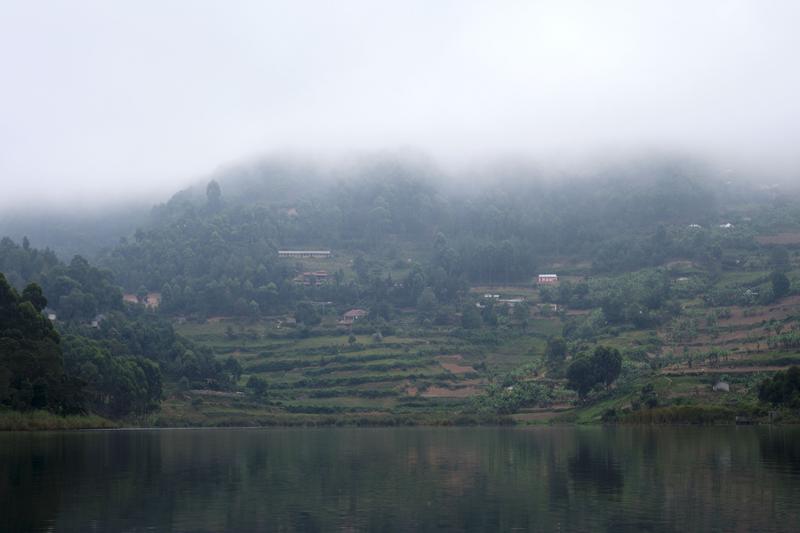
[[602, 367], [109, 358], [204, 262], [213, 255], [77, 290], [556, 350], [21, 262], [115, 385], [782, 389], [641, 298], [32, 373]]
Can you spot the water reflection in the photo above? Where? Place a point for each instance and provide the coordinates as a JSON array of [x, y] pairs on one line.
[[780, 450], [545, 479], [594, 465]]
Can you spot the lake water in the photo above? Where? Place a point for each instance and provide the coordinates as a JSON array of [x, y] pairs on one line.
[[417, 479]]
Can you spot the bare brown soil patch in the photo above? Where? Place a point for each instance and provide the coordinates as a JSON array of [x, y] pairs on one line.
[[215, 319], [786, 307], [780, 238], [452, 363], [442, 392]]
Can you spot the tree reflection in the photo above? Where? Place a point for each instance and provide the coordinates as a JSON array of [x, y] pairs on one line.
[[583, 479], [594, 466], [780, 450]]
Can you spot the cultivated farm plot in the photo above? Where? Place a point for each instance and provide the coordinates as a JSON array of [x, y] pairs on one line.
[[455, 364], [778, 311], [331, 375]]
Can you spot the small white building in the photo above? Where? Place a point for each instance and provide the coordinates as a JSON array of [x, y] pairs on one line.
[[721, 386], [96, 321], [548, 279], [305, 254]]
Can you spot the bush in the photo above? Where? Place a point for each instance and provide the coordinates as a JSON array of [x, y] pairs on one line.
[[782, 389], [257, 385], [602, 367]]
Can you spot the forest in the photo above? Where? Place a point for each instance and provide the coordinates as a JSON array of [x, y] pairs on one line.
[[104, 357], [212, 255]]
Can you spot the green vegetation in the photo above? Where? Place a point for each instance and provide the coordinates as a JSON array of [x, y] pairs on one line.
[[673, 304], [682, 414], [111, 364], [31, 367], [45, 420], [78, 290], [782, 389], [601, 368]]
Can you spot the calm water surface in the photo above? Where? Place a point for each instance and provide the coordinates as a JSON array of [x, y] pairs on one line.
[[543, 479]]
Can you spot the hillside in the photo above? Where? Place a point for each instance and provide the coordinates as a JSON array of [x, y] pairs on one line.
[[660, 265], [675, 296]]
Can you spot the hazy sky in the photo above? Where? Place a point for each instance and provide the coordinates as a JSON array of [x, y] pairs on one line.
[[107, 100]]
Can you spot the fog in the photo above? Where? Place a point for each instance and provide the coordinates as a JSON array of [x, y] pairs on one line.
[[108, 102]]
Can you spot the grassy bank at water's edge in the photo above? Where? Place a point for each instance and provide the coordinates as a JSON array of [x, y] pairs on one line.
[[43, 420]]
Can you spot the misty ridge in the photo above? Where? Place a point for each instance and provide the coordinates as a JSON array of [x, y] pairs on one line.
[[310, 184], [553, 82], [213, 247]]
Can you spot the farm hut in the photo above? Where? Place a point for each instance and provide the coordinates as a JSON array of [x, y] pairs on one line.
[[352, 315], [721, 386]]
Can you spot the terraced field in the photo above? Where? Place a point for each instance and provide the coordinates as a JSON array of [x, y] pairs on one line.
[[416, 375], [432, 374]]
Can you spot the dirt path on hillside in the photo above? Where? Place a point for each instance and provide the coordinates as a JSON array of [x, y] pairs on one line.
[[720, 370]]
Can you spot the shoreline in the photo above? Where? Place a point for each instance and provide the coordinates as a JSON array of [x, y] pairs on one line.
[[12, 421]]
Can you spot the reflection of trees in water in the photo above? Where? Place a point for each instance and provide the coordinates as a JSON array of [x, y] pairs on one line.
[[41, 475], [557, 480], [780, 450], [26, 505], [594, 465], [462, 479]]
